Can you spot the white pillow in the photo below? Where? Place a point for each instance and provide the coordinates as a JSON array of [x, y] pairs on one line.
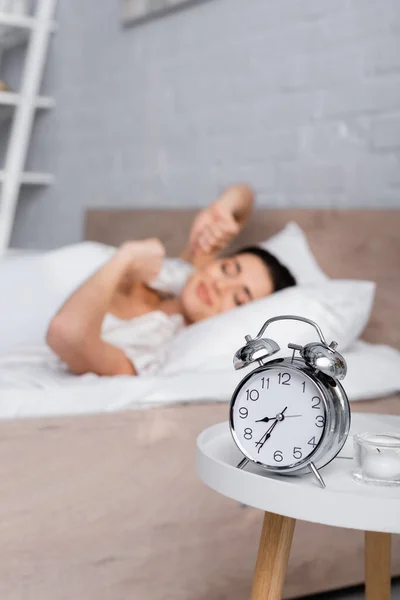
[[290, 246], [373, 371], [340, 307], [33, 287]]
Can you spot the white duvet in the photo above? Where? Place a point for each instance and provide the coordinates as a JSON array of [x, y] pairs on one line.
[[34, 383]]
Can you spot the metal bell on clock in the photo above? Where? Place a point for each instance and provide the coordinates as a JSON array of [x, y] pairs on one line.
[[325, 358], [255, 350]]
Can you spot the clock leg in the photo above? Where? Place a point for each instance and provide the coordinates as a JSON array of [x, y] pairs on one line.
[[377, 565], [243, 463], [273, 556]]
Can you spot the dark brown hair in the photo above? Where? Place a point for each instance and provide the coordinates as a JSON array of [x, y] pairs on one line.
[[280, 275]]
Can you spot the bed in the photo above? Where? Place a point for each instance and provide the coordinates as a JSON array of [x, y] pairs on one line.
[[108, 506]]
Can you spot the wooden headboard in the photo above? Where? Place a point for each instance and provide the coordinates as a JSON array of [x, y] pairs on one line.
[[362, 244]]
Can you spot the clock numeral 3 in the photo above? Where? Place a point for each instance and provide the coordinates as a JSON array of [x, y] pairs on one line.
[[248, 433], [243, 412], [278, 456], [319, 421], [312, 442], [297, 453], [284, 378], [317, 402], [253, 395]]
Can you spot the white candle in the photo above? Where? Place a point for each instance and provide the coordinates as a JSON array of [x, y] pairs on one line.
[[378, 457], [382, 465]]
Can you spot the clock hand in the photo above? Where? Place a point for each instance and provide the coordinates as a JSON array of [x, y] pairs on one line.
[[279, 417], [266, 435], [266, 419]]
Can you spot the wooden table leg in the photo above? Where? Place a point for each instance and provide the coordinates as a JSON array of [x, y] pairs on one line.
[[377, 565], [273, 556]]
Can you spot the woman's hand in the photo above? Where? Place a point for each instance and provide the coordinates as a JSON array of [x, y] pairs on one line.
[[142, 260], [215, 227]]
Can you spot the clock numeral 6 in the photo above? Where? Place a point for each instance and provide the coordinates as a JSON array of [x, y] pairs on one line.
[[252, 395], [278, 456], [243, 412], [319, 421], [297, 453], [248, 433]]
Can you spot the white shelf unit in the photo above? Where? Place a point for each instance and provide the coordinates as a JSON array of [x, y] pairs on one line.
[[36, 30], [13, 99], [32, 178], [18, 29]]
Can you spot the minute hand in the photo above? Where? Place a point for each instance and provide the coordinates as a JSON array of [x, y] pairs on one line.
[[266, 435], [267, 419]]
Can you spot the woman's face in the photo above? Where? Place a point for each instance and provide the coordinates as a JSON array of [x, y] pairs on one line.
[[224, 284]]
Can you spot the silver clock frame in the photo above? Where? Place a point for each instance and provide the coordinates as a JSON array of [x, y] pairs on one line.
[[337, 417]]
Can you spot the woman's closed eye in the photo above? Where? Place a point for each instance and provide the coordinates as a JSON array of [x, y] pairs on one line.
[[230, 268], [242, 297]]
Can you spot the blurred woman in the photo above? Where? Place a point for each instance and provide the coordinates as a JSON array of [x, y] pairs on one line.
[[115, 324]]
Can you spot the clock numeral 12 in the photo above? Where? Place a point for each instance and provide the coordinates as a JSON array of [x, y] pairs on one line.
[[284, 378]]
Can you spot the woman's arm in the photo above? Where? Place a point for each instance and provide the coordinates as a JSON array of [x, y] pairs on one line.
[[215, 227], [74, 333], [238, 200]]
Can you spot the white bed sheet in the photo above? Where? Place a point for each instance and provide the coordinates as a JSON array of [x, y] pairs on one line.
[[33, 383]]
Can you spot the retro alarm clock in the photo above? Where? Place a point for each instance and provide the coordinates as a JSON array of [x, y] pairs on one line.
[[290, 415]]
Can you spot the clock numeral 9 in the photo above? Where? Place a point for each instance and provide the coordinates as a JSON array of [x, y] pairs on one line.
[[248, 433], [319, 421], [297, 453], [278, 456], [317, 401], [252, 395], [284, 378], [243, 412]]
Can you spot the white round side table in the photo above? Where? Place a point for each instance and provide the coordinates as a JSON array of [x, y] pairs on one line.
[[343, 503]]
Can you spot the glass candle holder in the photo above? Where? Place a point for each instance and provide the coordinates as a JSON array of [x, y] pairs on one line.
[[377, 458]]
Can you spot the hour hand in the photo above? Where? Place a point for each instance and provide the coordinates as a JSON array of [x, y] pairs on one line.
[[266, 420]]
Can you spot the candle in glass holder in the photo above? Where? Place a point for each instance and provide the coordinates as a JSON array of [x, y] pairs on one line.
[[377, 458]]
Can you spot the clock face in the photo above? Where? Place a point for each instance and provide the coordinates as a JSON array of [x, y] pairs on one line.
[[278, 416]]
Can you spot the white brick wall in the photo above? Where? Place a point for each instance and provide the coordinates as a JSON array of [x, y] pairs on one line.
[[299, 97]]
